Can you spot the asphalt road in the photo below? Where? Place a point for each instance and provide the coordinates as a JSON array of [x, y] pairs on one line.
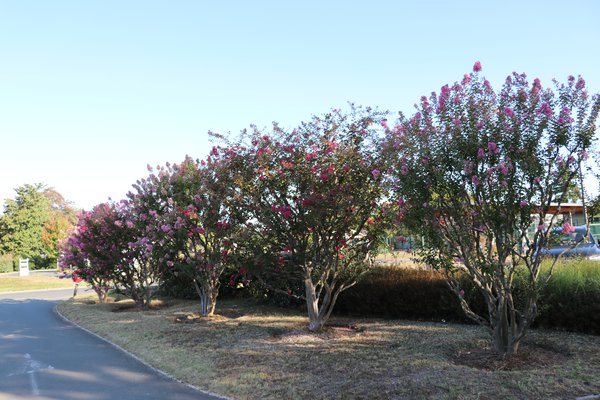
[[44, 357]]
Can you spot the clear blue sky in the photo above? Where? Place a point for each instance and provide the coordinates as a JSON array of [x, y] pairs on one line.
[[92, 91]]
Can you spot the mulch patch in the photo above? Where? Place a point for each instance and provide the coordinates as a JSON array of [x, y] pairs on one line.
[[529, 356]]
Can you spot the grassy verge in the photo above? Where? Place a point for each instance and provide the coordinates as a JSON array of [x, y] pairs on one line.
[[256, 352], [32, 282]]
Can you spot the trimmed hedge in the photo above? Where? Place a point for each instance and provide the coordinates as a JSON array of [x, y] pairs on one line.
[[393, 292], [570, 301]]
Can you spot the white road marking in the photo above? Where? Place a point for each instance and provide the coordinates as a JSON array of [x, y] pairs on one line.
[[30, 366], [34, 386]]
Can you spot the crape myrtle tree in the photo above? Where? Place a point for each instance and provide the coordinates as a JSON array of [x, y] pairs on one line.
[[192, 229], [90, 251], [474, 169], [137, 270], [108, 245], [312, 203]]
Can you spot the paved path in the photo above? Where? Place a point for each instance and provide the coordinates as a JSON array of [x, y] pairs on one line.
[[44, 357]]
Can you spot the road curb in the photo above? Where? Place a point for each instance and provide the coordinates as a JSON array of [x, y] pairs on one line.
[[130, 354]]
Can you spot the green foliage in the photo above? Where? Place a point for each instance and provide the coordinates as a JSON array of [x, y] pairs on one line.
[[23, 222], [34, 222], [6, 263], [62, 218]]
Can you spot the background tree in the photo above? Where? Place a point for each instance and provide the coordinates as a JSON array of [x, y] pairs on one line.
[[23, 221], [35, 222], [311, 201], [474, 170], [63, 216]]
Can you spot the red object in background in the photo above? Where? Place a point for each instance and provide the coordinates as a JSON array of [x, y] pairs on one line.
[[76, 278]]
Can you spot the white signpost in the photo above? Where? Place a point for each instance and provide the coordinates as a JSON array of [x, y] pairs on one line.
[[24, 267]]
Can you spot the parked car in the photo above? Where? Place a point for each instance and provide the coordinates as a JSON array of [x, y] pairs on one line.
[[578, 243]]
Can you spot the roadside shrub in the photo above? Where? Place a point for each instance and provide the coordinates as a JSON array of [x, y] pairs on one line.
[[38, 262], [15, 264], [6, 263], [178, 286]]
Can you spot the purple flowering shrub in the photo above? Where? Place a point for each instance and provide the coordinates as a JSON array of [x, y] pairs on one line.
[[475, 168]]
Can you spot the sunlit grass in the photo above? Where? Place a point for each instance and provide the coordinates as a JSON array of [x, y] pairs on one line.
[[32, 282]]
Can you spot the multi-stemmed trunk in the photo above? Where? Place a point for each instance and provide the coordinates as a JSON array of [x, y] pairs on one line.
[[320, 307], [506, 323], [208, 292]]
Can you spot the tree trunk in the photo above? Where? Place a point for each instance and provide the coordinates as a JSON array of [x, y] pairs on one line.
[[315, 321], [505, 338], [102, 295], [208, 298]]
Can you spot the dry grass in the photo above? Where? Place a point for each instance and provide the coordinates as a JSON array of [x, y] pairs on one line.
[[397, 258], [32, 282], [255, 352]]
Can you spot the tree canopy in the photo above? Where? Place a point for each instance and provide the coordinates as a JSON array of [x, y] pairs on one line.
[[34, 222]]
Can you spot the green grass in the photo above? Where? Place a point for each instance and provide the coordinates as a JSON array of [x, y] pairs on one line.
[[574, 272], [32, 282], [249, 351]]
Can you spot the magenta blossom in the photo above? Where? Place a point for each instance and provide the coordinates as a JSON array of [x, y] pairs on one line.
[[568, 228], [546, 110], [477, 66]]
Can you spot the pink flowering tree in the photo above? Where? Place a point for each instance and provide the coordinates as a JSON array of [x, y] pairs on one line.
[[312, 204], [474, 169], [192, 229], [108, 245], [89, 250], [136, 272]]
